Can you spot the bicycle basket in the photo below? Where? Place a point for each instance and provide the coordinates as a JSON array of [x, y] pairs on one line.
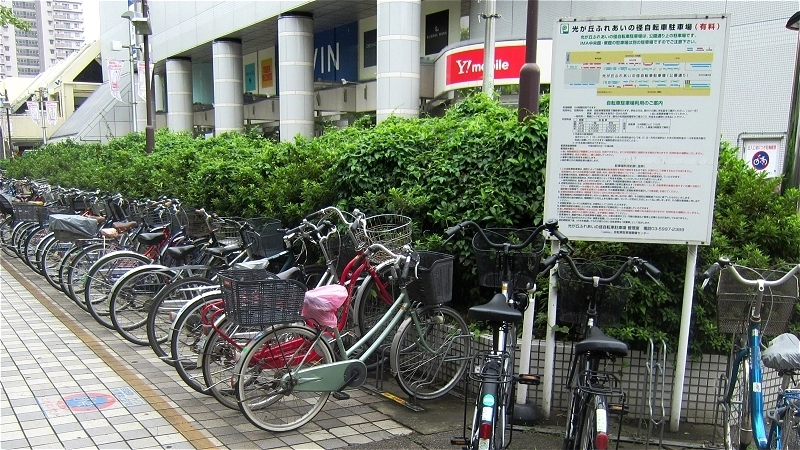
[[574, 294], [72, 228], [267, 243], [434, 283], [27, 212], [195, 222], [155, 217], [734, 301], [339, 249], [391, 230], [257, 298], [226, 231], [524, 262]]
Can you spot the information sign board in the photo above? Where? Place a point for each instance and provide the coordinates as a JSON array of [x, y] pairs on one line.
[[635, 127]]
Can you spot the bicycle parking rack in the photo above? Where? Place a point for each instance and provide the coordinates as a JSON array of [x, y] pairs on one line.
[[652, 410], [378, 387]]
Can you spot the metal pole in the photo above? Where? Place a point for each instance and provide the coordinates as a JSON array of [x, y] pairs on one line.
[[149, 130], [550, 338], [8, 123], [43, 114], [132, 59], [530, 75], [488, 48], [791, 165], [683, 339]]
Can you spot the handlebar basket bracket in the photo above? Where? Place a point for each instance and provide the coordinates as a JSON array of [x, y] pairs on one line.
[[574, 294], [434, 283], [734, 301], [257, 298], [524, 262]]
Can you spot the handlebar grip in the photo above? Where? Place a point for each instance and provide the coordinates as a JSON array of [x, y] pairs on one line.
[[453, 230], [652, 270], [548, 263], [711, 271]]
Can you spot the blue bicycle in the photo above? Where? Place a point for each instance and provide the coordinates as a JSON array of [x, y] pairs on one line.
[[763, 300]]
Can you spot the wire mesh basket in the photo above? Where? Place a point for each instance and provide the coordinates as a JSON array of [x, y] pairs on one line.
[[735, 300], [434, 283], [154, 217], [195, 222], [391, 230], [574, 295], [257, 298], [340, 249], [524, 262], [226, 231]]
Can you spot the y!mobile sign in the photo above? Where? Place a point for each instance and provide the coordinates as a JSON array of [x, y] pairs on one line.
[[463, 66], [634, 127]]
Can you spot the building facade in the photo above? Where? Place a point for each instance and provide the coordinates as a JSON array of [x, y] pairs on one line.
[[56, 32]]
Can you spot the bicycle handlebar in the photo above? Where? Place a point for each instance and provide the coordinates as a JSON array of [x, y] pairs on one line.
[[633, 262], [725, 263], [505, 246]]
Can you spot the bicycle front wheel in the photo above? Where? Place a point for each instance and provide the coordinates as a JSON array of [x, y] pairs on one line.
[[736, 414], [222, 349], [430, 360], [131, 297], [189, 335], [101, 278], [263, 382]]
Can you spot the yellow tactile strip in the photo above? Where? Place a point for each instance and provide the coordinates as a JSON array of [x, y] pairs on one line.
[[170, 414]]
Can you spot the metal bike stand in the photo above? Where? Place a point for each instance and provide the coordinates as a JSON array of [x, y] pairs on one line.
[[653, 390], [378, 388]]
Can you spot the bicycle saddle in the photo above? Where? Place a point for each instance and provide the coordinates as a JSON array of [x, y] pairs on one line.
[[497, 310], [597, 341]]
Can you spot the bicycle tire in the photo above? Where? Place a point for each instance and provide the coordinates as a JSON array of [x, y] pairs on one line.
[[220, 356], [262, 400], [736, 414], [6, 228], [52, 255], [164, 310], [188, 338], [426, 376], [131, 298], [100, 279], [76, 265], [18, 236], [368, 308], [587, 429], [489, 396], [35, 254]]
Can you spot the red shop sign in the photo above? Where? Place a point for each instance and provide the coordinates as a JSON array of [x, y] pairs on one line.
[[467, 65]]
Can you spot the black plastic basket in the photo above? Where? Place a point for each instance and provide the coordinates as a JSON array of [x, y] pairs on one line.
[[340, 249], [266, 244], [434, 283], [28, 211], [524, 262], [257, 298], [574, 295], [734, 301]]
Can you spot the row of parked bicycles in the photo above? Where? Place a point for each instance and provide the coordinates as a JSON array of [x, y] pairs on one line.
[[274, 321]]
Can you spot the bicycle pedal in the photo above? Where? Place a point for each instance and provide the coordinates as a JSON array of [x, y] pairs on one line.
[[618, 409], [528, 379], [340, 395], [458, 441]]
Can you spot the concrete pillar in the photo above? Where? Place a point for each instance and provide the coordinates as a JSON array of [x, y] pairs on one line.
[[296, 75], [228, 85], [398, 58], [179, 94]]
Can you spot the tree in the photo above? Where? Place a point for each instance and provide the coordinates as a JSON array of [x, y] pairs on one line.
[[7, 17]]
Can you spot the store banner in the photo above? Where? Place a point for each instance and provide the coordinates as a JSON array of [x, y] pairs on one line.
[[436, 31], [114, 75], [33, 111], [51, 107], [141, 81]]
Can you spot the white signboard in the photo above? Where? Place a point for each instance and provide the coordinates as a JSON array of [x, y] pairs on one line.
[[764, 155], [634, 127]]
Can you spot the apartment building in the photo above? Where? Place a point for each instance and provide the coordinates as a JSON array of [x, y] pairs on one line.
[[56, 32]]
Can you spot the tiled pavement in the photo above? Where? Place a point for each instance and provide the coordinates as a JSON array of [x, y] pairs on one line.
[[67, 382]]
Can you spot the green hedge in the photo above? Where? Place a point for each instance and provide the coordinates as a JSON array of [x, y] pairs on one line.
[[477, 162]]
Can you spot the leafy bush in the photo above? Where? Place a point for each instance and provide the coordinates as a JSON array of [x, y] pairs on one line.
[[474, 163]]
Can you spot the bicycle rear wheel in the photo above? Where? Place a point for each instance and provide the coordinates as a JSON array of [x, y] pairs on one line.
[[427, 374], [165, 308], [264, 398], [52, 255], [220, 353]]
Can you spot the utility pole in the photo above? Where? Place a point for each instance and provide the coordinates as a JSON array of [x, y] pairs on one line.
[[488, 48], [43, 113], [149, 130], [530, 75]]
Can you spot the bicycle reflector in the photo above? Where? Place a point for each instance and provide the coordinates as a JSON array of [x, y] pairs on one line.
[[601, 441], [487, 417]]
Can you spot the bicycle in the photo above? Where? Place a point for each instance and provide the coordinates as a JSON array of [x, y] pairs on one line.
[[507, 259], [587, 300], [760, 302], [286, 374]]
